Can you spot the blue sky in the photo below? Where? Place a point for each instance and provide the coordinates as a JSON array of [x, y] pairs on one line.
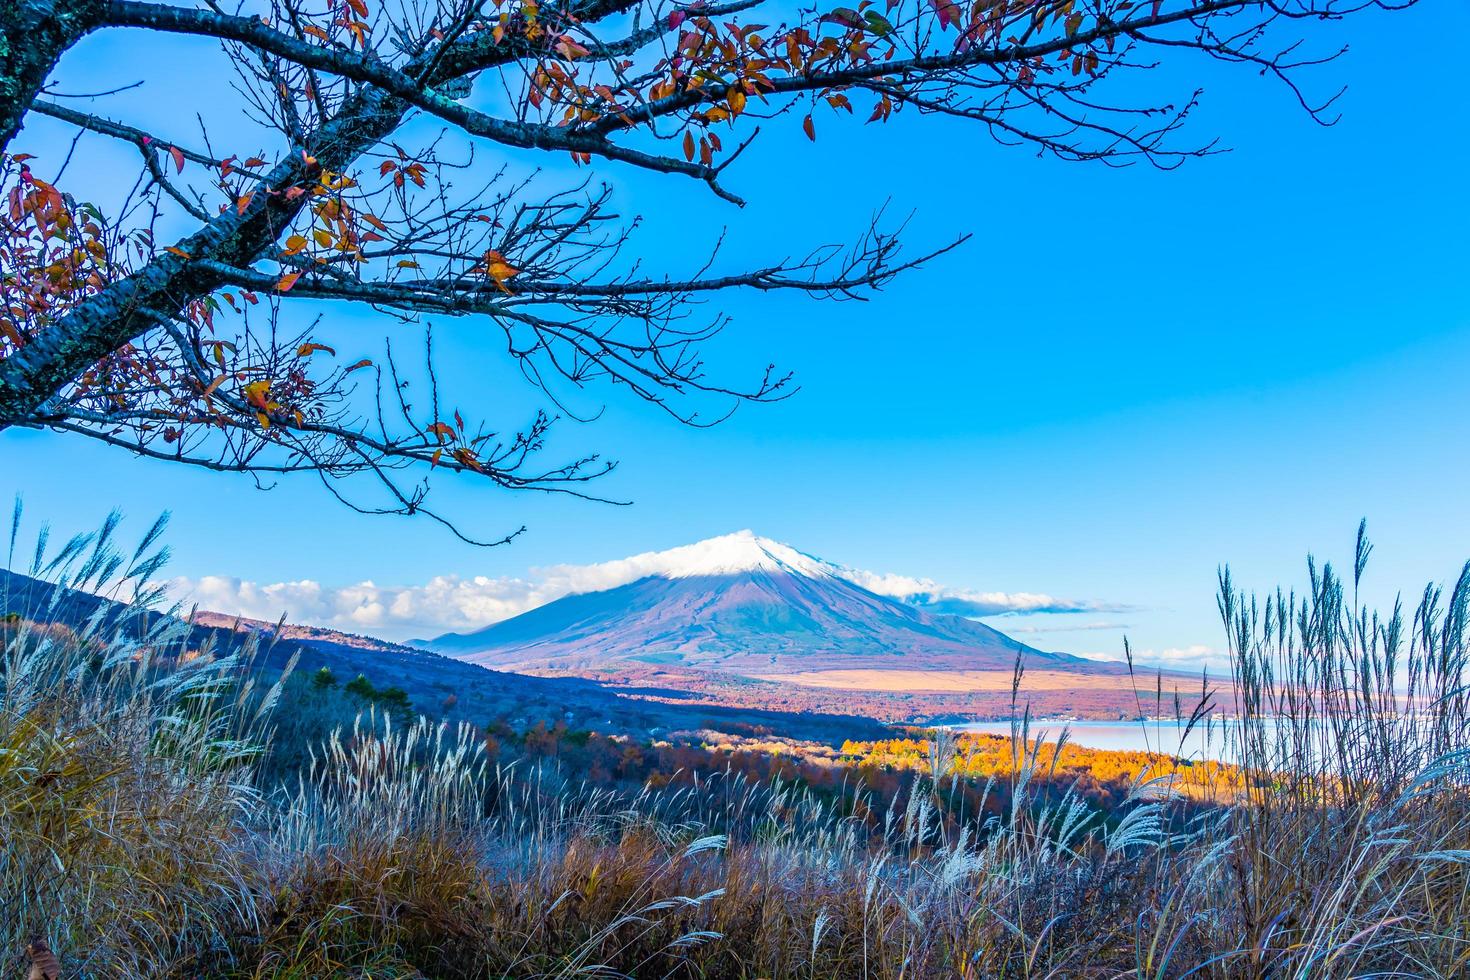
[[1125, 379]]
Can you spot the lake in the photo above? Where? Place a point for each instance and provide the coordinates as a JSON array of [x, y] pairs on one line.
[[1127, 736]]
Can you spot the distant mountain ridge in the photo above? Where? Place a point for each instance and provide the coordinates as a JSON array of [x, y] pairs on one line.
[[481, 696], [747, 604]]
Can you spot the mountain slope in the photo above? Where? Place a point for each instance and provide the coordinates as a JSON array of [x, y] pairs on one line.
[[746, 604]]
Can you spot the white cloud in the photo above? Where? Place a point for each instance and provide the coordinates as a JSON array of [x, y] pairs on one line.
[[1071, 628], [1191, 659], [444, 603], [928, 594], [449, 603]]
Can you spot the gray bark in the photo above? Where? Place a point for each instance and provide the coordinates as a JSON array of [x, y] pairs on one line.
[[33, 36], [124, 310]]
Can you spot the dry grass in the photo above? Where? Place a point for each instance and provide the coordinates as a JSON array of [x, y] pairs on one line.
[[124, 782], [138, 845]]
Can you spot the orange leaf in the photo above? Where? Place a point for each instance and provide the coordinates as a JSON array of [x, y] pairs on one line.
[[284, 284], [811, 129], [178, 156], [498, 269], [256, 393], [306, 350], [360, 364]]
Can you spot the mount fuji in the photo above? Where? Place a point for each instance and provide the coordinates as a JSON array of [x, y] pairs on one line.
[[746, 605]]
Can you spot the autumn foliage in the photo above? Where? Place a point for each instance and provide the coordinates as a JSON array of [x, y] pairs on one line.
[[1102, 775]]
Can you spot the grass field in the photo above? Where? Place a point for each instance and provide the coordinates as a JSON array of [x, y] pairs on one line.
[[143, 836]]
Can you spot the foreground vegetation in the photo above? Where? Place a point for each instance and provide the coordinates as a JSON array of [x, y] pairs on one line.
[[161, 817]]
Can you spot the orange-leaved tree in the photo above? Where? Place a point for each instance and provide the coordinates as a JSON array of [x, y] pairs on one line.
[[159, 326]]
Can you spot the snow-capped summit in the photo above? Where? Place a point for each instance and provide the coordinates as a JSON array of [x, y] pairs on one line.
[[732, 554]]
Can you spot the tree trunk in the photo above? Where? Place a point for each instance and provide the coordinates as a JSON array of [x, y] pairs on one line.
[[122, 311], [33, 36]]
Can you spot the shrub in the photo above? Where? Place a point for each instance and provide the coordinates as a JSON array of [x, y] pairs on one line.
[[392, 698]]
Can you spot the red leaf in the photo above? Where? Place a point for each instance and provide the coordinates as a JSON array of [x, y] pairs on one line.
[[811, 129], [948, 11], [178, 156]]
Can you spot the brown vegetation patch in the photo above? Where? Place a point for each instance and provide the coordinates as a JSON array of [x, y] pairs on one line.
[[951, 681]]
